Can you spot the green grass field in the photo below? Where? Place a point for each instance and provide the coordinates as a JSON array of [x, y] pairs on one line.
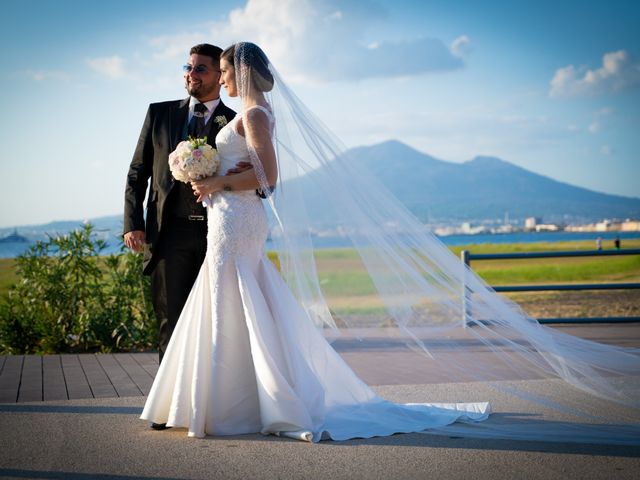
[[552, 270], [341, 271], [348, 289]]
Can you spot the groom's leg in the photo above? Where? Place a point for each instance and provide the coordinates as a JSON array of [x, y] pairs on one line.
[[181, 256], [159, 300]]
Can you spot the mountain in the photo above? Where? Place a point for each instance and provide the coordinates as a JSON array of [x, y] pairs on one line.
[[484, 188], [14, 238], [436, 190], [103, 226]]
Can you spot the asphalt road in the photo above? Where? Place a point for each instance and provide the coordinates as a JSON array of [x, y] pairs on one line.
[[104, 439]]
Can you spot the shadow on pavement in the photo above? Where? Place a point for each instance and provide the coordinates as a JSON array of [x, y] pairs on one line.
[[20, 473]]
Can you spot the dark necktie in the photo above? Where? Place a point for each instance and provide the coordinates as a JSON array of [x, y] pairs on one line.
[[196, 125]]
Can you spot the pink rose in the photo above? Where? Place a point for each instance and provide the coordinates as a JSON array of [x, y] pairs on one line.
[[196, 153]]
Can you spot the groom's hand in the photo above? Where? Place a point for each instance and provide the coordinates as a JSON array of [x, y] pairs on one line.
[[135, 240], [239, 168]]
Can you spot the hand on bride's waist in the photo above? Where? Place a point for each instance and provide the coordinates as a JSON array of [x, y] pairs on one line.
[[239, 168]]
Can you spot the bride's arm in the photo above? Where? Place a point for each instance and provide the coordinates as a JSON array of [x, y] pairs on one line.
[[257, 130]]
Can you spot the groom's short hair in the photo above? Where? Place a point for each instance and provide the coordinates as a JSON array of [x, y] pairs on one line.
[[207, 50]]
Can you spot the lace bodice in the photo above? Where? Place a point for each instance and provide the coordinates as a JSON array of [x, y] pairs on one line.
[[237, 220], [231, 146]]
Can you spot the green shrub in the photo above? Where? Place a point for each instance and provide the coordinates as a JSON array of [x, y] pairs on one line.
[[69, 298]]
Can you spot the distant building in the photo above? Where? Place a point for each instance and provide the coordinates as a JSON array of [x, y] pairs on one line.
[[547, 227], [591, 227], [531, 222], [508, 228], [607, 226], [467, 229], [630, 226], [444, 231]]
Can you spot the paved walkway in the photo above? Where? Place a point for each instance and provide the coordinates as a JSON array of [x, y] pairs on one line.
[[76, 417], [103, 438]]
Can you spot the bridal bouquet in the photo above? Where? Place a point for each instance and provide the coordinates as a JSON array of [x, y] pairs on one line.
[[193, 159]]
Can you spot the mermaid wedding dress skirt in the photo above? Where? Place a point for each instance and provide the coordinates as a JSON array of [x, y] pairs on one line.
[[245, 357]]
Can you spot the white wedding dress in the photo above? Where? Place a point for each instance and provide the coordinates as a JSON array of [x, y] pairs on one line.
[[245, 357]]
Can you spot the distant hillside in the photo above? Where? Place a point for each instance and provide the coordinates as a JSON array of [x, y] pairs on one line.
[[104, 227], [484, 187], [435, 190]]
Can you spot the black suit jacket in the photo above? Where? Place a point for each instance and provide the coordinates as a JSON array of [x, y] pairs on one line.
[[164, 127]]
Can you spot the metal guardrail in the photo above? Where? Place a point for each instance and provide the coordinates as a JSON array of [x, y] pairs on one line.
[[467, 257]]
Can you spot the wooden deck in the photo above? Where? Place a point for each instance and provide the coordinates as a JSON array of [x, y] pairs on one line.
[[29, 378]]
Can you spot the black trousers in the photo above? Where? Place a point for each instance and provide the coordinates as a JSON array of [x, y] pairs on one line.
[[180, 253]]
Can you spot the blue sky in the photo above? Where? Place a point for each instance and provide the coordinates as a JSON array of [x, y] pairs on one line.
[[553, 87]]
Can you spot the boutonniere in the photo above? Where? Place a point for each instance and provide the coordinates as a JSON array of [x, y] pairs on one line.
[[220, 120]]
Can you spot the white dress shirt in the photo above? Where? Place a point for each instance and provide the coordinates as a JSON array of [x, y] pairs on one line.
[[211, 106]]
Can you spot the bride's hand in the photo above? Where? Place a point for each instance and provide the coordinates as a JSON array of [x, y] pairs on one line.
[[205, 187]]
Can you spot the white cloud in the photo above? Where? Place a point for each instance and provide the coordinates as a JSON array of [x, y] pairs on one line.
[[321, 40], [112, 67], [461, 46], [618, 72]]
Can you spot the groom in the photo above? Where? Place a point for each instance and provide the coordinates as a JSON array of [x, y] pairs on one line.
[[173, 234]]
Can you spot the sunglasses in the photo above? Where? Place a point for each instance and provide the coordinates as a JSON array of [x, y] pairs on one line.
[[197, 69]]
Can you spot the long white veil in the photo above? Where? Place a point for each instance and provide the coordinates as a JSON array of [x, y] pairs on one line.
[[427, 303]]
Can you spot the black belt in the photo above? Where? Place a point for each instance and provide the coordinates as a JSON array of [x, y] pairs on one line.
[[188, 218]]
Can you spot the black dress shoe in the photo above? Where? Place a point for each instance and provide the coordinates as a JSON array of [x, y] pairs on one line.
[[159, 426]]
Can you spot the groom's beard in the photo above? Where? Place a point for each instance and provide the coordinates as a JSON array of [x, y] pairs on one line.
[[199, 89]]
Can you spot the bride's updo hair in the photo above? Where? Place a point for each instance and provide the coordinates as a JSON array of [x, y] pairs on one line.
[[250, 55]]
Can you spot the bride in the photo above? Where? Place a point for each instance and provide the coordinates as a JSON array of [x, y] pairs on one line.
[[249, 352]]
